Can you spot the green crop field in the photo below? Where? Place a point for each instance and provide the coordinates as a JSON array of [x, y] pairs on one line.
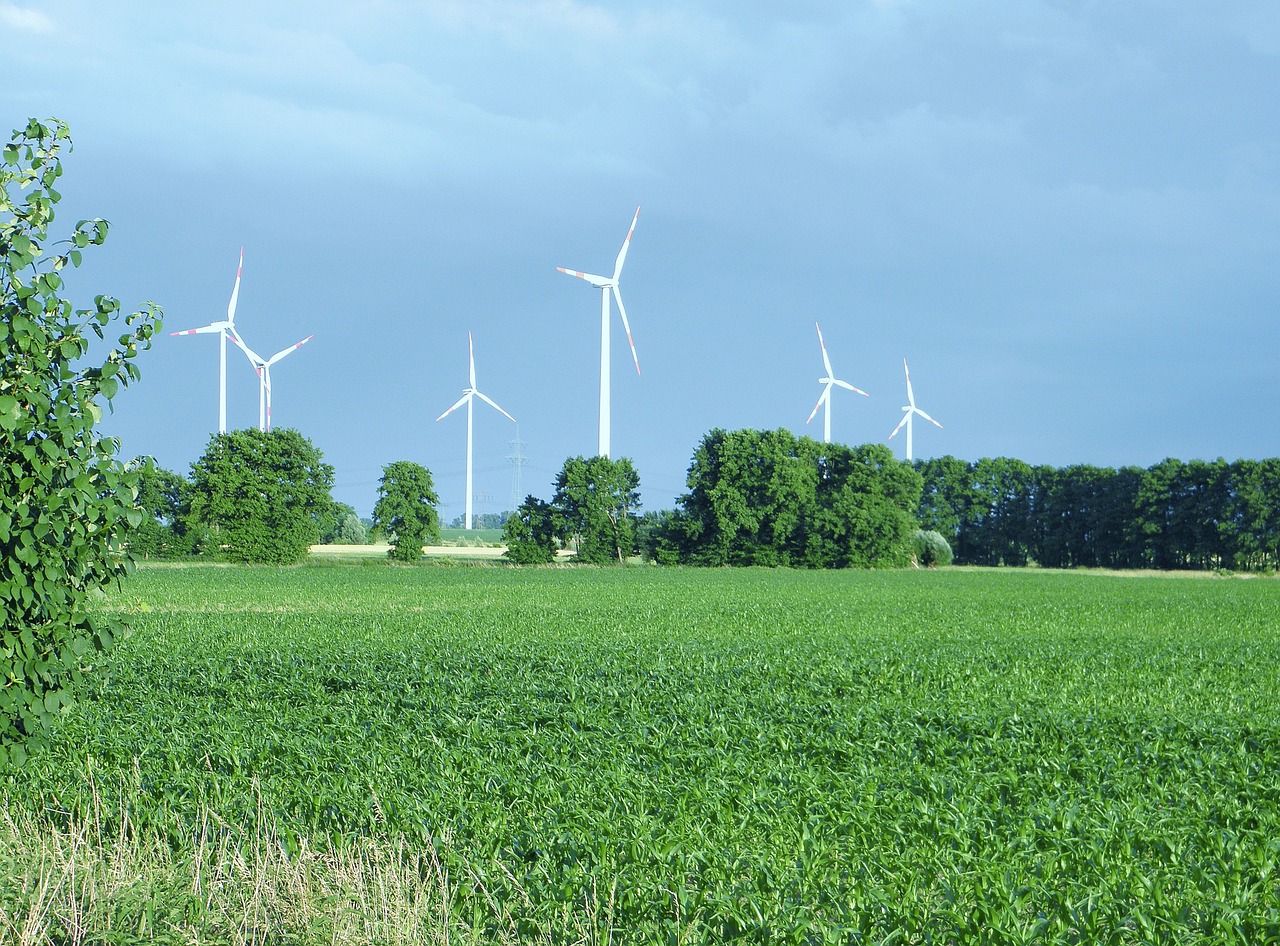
[[374, 754]]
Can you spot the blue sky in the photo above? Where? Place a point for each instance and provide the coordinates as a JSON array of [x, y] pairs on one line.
[[1065, 216]]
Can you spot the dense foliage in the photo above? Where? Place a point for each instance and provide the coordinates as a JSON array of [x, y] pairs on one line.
[[699, 756], [406, 509], [162, 498], [594, 506], [530, 533], [771, 498], [1175, 514], [259, 496], [65, 497]]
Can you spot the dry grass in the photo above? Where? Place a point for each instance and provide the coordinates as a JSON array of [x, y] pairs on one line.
[[87, 883]]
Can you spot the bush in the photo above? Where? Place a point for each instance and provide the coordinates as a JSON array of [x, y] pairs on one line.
[[929, 549]]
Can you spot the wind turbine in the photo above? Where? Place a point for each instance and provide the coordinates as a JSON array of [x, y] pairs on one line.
[[469, 394], [263, 367], [910, 408], [224, 328], [827, 383], [607, 284]]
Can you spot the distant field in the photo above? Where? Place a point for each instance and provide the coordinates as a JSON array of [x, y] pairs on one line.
[[471, 536], [667, 755]]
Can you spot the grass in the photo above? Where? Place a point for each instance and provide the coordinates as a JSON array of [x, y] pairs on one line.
[[663, 755]]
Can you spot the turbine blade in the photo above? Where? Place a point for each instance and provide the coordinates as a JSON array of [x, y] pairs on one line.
[[204, 329], [928, 418], [900, 423], [911, 398], [494, 404], [599, 282], [826, 362], [456, 404], [826, 393], [471, 356], [285, 351], [849, 387], [235, 292], [627, 326], [254, 358], [626, 245]]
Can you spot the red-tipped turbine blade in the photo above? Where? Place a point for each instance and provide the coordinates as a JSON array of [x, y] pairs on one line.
[[626, 245], [826, 362], [826, 393], [626, 325]]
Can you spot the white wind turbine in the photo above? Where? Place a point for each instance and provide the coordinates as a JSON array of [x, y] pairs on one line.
[[263, 367], [827, 383], [607, 284], [224, 328], [910, 408], [469, 394]]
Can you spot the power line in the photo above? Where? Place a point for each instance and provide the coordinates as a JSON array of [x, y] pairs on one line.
[[517, 459]]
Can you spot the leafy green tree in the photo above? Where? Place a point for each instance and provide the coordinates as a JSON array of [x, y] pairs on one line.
[[331, 522], [1000, 523], [771, 498], [748, 491], [260, 495], [351, 531], [406, 509], [66, 500], [861, 513], [162, 498], [947, 500], [594, 502], [657, 536], [530, 533], [1255, 508]]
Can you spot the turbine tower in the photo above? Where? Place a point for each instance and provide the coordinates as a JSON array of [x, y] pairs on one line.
[[224, 328], [607, 284], [263, 367], [827, 383], [469, 394], [910, 408]]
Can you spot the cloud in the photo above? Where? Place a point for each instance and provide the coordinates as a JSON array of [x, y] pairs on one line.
[[26, 21]]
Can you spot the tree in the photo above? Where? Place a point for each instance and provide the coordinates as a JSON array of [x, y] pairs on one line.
[[406, 509], [593, 501], [261, 495], [66, 500], [332, 520], [162, 496], [771, 498], [351, 531], [861, 513], [530, 533]]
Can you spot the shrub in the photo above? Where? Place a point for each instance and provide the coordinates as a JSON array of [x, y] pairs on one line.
[[929, 549]]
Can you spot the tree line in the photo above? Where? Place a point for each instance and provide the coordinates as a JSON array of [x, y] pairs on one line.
[[755, 497], [1173, 515]]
